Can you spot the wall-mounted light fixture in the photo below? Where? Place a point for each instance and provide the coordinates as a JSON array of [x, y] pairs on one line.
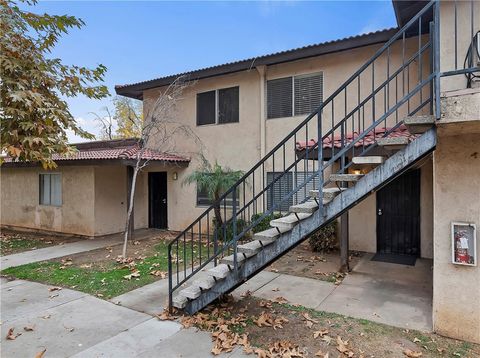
[[175, 176]]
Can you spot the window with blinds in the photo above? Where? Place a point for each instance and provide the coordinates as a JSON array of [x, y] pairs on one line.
[[206, 108], [279, 98], [285, 185], [50, 186], [218, 107], [279, 189], [307, 93], [203, 199], [296, 95], [228, 105]]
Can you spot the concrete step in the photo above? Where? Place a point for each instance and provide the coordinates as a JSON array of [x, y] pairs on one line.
[[268, 236], [368, 160], [289, 221], [393, 143], [241, 257], [419, 124], [220, 271], [345, 177], [328, 193], [179, 301], [307, 207], [205, 283], [191, 292], [250, 248]]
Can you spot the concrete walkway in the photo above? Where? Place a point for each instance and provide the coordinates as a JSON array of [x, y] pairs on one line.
[[73, 324], [52, 252], [396, 295]]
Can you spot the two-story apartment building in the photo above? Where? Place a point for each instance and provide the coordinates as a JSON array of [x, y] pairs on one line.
[[242, 110]]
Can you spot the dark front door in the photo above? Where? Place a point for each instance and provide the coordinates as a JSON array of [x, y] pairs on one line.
[[398, 216], [157, 200]]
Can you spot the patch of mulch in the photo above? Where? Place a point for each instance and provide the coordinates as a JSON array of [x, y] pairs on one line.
[[13, 242], [277, 329], [302, 261]]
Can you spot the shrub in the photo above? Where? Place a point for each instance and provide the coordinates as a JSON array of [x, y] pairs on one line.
[[228, 236], [325, 239], [265, 223]]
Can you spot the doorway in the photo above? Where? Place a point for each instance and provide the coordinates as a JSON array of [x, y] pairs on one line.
[[398, 216], [157, 200]]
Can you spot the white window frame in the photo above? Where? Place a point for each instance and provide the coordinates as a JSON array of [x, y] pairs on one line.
[[311, 74], [217, 107], [40, 188]]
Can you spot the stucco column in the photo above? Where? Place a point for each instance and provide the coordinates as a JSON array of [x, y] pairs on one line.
[[129, 190]]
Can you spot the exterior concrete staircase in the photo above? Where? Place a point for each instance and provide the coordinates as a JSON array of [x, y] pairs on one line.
[[207, 260], [303, 219]]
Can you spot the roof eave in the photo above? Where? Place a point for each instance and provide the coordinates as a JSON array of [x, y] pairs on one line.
[[136, 90]]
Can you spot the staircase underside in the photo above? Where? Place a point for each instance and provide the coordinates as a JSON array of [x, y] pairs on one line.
[[395, 165]]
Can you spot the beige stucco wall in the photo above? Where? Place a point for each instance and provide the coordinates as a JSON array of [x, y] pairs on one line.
[[20, 200], [456, 301], [110, 198], [456, 171], [240, 145]]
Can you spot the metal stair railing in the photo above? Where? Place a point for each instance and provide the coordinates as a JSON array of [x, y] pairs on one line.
[[368, 100]]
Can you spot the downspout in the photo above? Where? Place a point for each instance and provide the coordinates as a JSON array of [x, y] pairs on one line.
[[262, 70]]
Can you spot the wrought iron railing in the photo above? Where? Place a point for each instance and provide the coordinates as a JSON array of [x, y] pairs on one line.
[[369, 104]]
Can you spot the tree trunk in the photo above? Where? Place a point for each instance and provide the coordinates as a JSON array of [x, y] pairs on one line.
[[126, 235]]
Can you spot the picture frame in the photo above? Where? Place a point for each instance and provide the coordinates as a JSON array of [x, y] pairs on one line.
[[464, 244]]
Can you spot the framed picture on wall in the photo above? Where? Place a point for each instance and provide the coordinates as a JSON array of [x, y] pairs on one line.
[[464, 244]]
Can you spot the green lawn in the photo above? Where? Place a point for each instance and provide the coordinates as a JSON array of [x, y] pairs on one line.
[[106, 280]]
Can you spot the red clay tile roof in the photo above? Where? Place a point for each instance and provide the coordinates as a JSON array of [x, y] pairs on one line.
[[369, 139], [123, 149]]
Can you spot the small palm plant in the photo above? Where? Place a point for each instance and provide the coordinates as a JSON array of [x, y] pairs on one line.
[[215, 180]]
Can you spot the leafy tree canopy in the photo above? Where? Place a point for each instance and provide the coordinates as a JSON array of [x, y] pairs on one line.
[[129, 117], [34, 116]]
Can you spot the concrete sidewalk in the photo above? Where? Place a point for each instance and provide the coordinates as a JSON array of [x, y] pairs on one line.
[[396, 295], [52, 252], [72, 324]]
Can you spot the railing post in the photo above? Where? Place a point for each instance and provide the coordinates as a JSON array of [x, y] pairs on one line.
[[432, 82], [436, 56], [170, 281], [320, 161], [234, 228]]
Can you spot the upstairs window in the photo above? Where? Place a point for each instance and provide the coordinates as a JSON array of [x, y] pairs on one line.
[[218, 107], [50, 189], [298, 95]]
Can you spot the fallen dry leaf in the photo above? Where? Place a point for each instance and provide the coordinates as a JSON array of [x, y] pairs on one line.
[[280, 300], [132, 275], [276, 289], [320, 333], [55, 288], [321, 354], [40, 354], [412, 354], [47, 316], [11, 334], [29, 328]]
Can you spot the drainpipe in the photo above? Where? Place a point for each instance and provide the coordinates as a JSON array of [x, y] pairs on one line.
[[262, 70]]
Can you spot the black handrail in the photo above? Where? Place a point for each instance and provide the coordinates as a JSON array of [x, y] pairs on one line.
[[228, 244]]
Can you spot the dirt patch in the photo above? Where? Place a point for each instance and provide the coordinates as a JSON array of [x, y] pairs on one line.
[[13, 242], [105, 257], [277, 329], [303, 262]]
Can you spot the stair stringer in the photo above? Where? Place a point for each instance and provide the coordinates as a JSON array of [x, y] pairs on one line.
[[374, 180]]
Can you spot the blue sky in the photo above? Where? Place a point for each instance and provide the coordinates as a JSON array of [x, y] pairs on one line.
[[141, 40]]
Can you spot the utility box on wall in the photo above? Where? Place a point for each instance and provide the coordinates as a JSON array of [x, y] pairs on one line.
[[464, 244]]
